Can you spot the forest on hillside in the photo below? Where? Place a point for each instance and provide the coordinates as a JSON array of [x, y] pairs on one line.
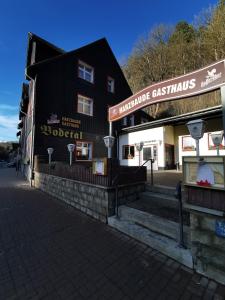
[[170, 51]]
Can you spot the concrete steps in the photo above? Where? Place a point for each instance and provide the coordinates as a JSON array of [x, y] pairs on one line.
[[157, 241], [153, 220], [161, 189], [154, 223]]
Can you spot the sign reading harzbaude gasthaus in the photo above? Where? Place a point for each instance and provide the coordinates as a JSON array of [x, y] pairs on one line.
[[200, 81]]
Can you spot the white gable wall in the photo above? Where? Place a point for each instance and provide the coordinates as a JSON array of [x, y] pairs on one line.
[[154, 136]]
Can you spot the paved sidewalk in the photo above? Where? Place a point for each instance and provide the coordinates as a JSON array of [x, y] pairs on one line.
[[49, 251]]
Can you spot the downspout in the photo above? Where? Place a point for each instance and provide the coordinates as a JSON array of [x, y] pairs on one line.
[[32, 127]]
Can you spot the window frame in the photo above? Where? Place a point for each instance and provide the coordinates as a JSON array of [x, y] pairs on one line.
[[123, 152], [109, 78], [84, 142], [188, 148], [85, 65], [92, 105]]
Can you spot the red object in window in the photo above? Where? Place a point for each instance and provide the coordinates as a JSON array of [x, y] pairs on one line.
[[203, 183]]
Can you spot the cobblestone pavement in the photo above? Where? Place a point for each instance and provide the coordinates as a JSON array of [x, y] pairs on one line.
[[49, 251]]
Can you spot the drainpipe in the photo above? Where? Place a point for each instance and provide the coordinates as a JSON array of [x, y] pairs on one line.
[[32, 127]]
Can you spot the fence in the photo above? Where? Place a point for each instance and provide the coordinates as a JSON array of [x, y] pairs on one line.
[[116, 174]]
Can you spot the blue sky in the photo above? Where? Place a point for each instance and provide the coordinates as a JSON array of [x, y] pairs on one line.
[[70, 24]]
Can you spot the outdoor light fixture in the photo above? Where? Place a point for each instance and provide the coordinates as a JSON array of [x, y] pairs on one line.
[[139, 147], [196, 129], [109, 142], [50, 151], [71, 148], [217, 140]]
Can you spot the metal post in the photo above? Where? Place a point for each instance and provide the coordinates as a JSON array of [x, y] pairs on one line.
[[70, 158], [222, 90], [109, 152], [49, 158], [181, 222], [110, 134], [218, 150], [110, 128], [151, 160], [197, 148]]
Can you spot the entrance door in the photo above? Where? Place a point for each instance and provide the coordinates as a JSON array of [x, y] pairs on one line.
[[169, 149], [150, 151]]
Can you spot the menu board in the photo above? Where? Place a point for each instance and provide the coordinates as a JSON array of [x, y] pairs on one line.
[[99, 166], [206, 171]]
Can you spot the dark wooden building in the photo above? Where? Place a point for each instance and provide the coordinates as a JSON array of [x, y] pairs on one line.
[[67, 99]]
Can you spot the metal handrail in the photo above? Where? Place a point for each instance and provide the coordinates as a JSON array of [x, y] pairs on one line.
[[115, 181]]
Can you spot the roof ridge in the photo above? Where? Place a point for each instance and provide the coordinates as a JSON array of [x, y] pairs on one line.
[[33, 35]]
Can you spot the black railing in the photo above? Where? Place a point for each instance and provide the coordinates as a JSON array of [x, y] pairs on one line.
[[84, 172]]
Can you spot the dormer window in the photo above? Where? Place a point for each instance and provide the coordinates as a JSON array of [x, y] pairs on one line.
[[85, 72], [111, 85]]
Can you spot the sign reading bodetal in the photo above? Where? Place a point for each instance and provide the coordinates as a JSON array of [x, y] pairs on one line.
[[205, 79], [60, 132]]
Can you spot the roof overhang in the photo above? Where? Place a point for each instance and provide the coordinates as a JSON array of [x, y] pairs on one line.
[[205, 114]]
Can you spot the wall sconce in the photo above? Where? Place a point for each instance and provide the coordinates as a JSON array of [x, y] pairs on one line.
[[217, 140], [196, 129], [139, 147], [71, 148], [109, 142], [50, 151]]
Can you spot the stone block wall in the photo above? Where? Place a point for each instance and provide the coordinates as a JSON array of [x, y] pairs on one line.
[[208, 249], [94, 200]]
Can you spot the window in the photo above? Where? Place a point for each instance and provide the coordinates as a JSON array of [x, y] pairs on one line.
[[83, 151], [124, 121], [111, 85], [188, 143], [132, 120], [85, 105], [147, 153], [85, 72], [128, 152]]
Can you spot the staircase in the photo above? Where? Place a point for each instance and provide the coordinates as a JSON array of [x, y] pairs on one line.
[[153, 219]]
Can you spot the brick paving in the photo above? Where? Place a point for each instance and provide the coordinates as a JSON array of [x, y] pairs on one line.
[[49, 251]]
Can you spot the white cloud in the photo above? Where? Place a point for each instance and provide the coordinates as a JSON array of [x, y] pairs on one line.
[[8, 122], [8, 107]]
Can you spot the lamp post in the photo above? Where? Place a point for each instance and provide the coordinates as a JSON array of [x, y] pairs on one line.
[[217, 140], [50, 151], [109, 142], [139, 147], [71, 148], [196, 129]]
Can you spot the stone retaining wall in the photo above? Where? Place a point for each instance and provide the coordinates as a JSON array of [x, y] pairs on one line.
[[96, 201], [208, 249]]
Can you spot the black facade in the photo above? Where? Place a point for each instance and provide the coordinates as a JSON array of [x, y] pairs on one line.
[[55, 86]]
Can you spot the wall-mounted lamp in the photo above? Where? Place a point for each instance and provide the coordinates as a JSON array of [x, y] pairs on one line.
[[109, 142], [71, 148], [196, 129], [217, 140], [139, 147], [50, 151]]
